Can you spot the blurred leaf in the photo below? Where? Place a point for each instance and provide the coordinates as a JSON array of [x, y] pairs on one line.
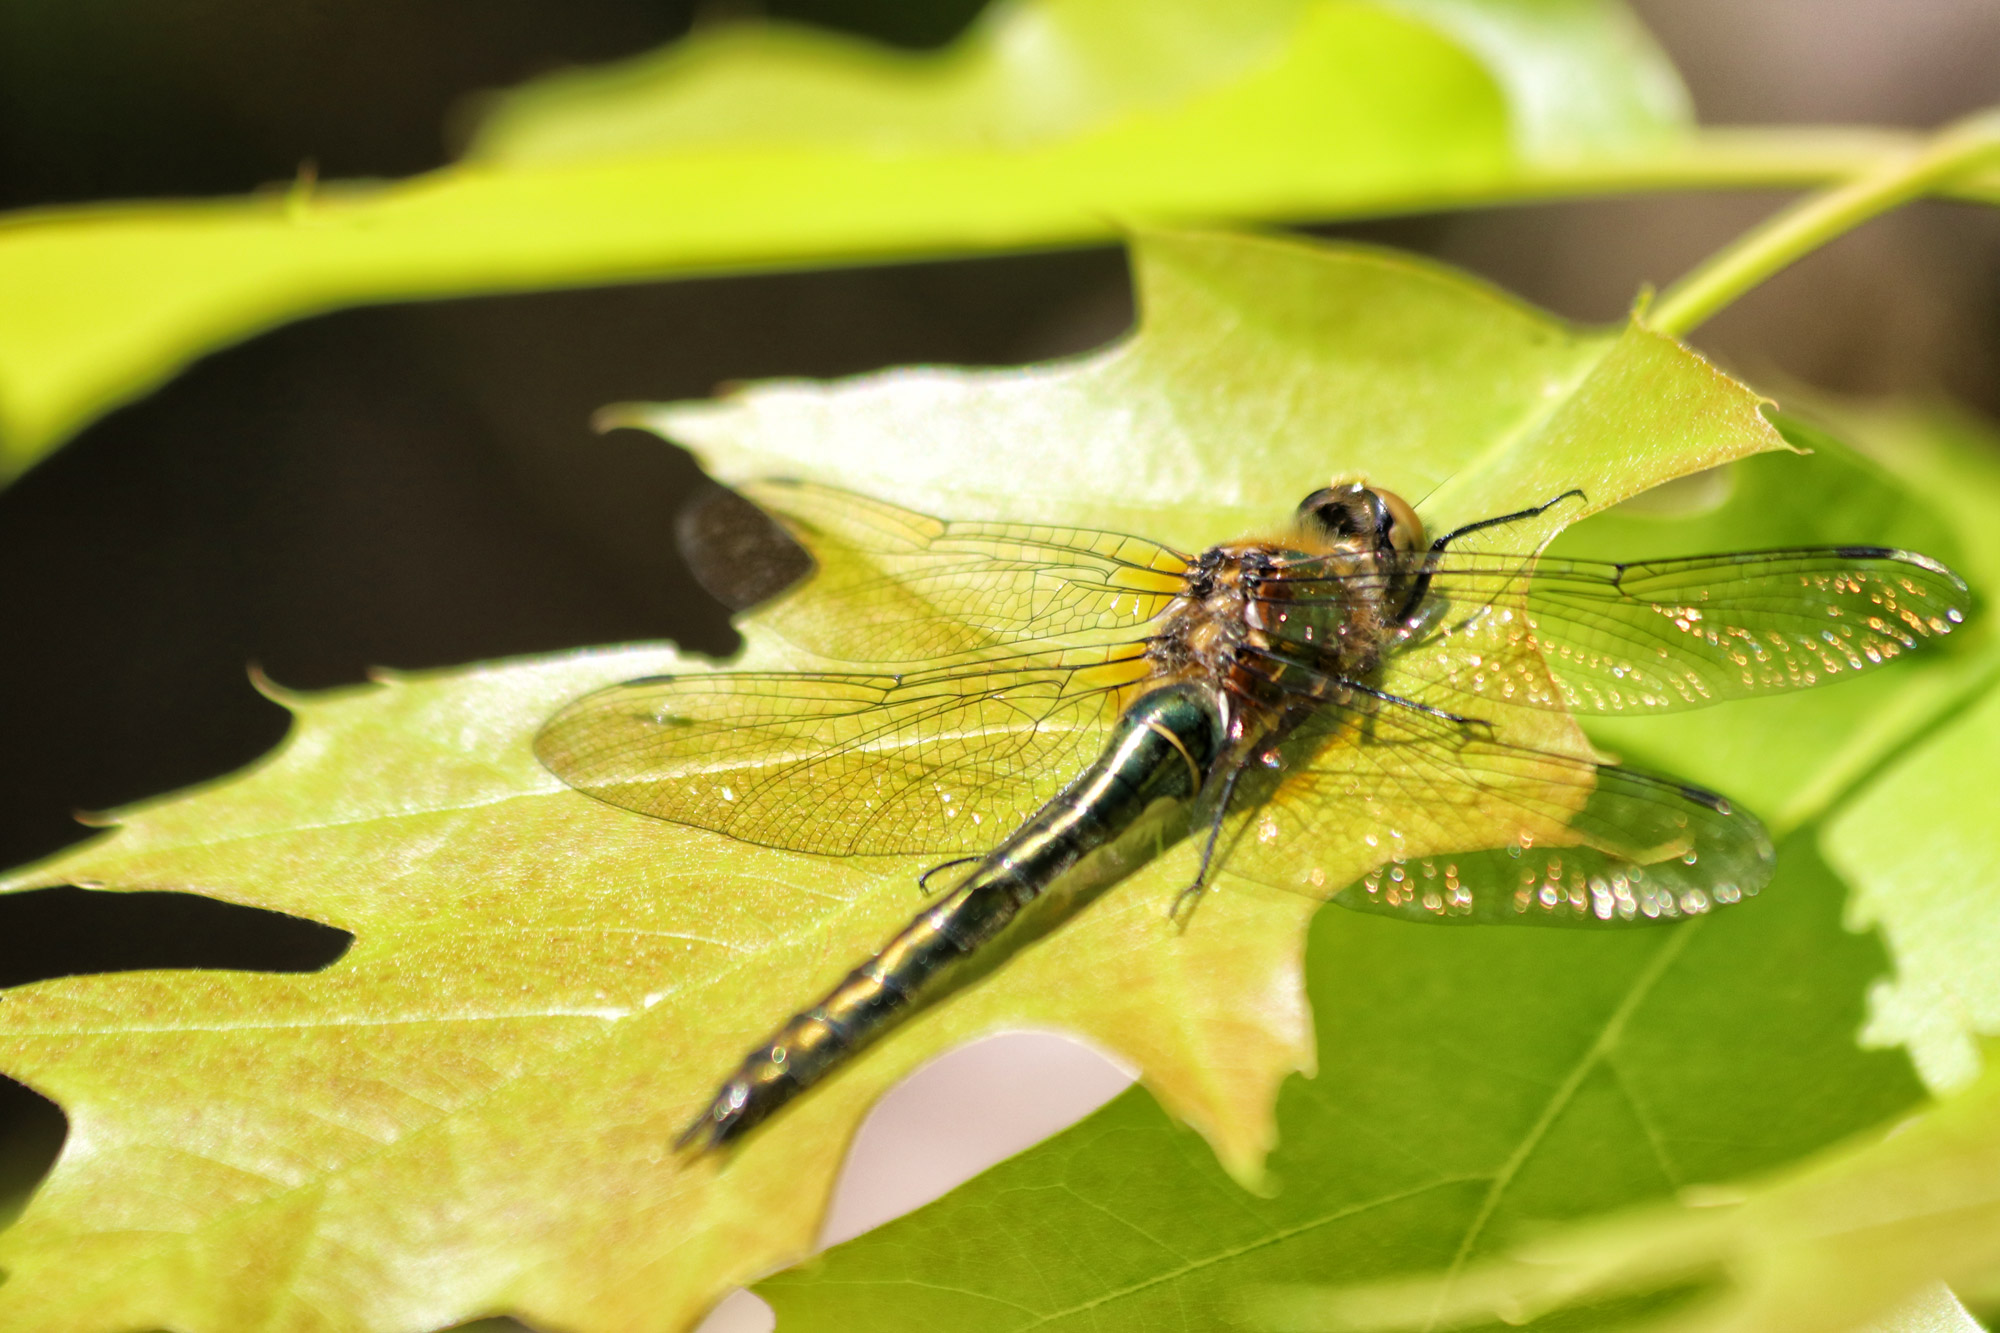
[[1575, 75], [1920, 846], [1580, 76], [470, 1112], [1053, 121], [1025, 74]]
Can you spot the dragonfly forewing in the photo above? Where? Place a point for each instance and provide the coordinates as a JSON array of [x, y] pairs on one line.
[[1670, 635], [938, 762], [895, 587]]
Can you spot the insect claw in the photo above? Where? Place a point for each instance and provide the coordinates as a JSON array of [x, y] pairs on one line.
[[924, 880], [699, 1138], [1182, 910]]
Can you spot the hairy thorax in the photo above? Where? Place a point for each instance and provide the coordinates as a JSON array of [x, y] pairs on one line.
[[1272, 627]]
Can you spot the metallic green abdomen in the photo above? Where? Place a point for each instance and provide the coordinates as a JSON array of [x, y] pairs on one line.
[[1162, 750]]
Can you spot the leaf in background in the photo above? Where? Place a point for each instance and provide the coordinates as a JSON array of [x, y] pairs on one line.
[[1576, 75], [1052, 121], [1025, 74], [1920, 846], [1580, 77], [470, 1111]]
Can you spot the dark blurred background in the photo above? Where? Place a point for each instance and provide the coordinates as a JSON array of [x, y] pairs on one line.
[[418, 486]]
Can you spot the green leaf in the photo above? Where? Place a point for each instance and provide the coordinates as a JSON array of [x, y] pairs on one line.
[[1054, 121], [1576, 75], [1919, 845], [1850, 1240], [471, 1111], [1469, 1082], [1026, 74], [1580, 77]]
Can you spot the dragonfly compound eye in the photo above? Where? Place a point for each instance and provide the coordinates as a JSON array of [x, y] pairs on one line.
[[1404, 530], [1339, 513], [1346, 512]]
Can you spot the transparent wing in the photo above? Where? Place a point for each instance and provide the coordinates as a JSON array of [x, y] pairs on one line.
[[1386, 809], [1663, 635], [944, 761], [894, 586]]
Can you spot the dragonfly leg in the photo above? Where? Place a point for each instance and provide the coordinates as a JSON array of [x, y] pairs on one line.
[[1189, 898], [924, 880], [1427, 621], [1399, 701], [1500, 520]]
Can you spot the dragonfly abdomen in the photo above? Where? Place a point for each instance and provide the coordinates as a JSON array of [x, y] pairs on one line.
[[1162, 749]]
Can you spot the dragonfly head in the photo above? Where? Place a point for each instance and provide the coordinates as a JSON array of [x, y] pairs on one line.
[[1342, 513]]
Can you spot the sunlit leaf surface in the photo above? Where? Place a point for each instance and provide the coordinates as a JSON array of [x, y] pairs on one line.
[[471, 1111], [756, 147]]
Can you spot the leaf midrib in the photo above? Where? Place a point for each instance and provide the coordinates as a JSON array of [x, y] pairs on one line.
[[1599, 1050]]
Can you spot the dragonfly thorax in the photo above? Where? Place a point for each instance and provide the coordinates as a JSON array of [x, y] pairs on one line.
[[1277, 623], [1269, 625]]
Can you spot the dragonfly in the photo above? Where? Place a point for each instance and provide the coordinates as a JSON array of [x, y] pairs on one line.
[[1343, 709]]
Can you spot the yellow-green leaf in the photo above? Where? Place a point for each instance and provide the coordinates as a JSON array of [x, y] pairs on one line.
[[471, 1111]]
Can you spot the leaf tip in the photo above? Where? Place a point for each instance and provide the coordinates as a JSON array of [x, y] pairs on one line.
[[620, 416], [260, 681]]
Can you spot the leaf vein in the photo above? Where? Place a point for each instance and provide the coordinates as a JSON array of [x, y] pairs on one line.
[[1599, 1049], [1250, 1247]]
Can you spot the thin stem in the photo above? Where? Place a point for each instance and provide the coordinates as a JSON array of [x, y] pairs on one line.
[[1798, 231]]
